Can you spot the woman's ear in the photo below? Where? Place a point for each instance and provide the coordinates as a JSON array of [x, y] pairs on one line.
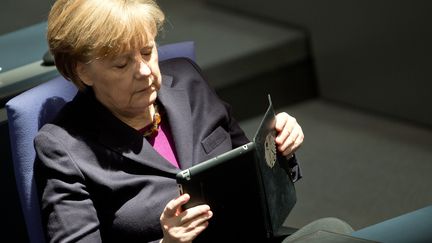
[[82, 71]]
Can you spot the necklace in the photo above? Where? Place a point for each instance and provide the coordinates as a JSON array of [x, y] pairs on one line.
[[152, 128]]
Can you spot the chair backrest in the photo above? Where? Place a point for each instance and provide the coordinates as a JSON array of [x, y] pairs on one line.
[[29, 111]]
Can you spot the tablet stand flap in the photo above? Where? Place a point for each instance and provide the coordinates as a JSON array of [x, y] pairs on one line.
[[278, 192]]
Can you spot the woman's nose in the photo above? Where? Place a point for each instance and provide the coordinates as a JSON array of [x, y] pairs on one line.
[[144, 69]]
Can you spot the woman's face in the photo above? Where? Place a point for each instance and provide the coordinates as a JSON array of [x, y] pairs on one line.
[[126, 84]]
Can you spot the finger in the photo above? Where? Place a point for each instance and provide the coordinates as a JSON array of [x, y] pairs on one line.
[[191, 233], [289, 141], [198, 227], [283, 135], [194, 227], [285, 124], [293, 141], [172, 207], [285, 140], [193, 213], [281, 119], [294, 146], [288, 153], [199, 220]]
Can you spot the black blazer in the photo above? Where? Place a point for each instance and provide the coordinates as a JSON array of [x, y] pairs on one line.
[[99, 179]]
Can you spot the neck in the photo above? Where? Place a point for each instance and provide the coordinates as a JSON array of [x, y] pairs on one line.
[[138, 121]]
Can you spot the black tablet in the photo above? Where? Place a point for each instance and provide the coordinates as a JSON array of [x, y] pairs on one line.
[[247, 189]]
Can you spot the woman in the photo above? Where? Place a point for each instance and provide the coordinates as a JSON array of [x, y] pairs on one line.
[[105, 167]]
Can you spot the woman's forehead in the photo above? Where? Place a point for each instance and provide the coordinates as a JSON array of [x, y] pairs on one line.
[[127, 48], [131, 50]]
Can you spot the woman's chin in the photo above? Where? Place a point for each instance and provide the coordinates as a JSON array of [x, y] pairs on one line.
[[152, 98], [149, 94]]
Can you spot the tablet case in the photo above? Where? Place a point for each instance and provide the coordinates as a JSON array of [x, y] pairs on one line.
[[248, 191]]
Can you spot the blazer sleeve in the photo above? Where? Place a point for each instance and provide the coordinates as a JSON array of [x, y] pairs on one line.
[[238, 138], [237, 135], [208, 95], [291, 166], [68, 213]]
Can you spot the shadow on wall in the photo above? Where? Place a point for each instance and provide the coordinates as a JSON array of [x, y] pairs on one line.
[[379, 63], [34, 12]]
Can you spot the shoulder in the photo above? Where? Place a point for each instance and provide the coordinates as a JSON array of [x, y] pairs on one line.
[[53, 146], [52, 137], [70, 127], [184, 73], [75, 117], [178, 64], [59, 150]]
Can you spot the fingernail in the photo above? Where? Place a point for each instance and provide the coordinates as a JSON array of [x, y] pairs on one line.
[[186, 197]]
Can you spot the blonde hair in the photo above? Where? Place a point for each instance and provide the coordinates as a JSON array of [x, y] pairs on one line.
[[82, 30]]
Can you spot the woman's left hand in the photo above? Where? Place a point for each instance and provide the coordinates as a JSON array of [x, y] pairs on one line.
[[289, 134]]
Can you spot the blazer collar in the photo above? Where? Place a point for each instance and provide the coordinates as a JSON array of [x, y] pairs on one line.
[[124, 139], [178, 111]]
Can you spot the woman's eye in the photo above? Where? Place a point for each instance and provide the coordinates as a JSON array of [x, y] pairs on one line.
[[120, 66], [146, 51]]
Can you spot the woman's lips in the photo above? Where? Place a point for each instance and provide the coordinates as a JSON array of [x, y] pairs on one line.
[[146, 88]]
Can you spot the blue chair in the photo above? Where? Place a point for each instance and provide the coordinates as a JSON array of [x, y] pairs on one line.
[[414, 226], [29, 111]]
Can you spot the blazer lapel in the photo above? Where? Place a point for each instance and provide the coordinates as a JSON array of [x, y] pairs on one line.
[[119, 137], [178, 112], [129, 143], [148, 156]]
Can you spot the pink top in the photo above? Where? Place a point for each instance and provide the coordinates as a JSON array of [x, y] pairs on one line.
[[163, 143]]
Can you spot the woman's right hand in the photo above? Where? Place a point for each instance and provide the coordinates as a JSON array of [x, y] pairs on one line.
[[183, 226]]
